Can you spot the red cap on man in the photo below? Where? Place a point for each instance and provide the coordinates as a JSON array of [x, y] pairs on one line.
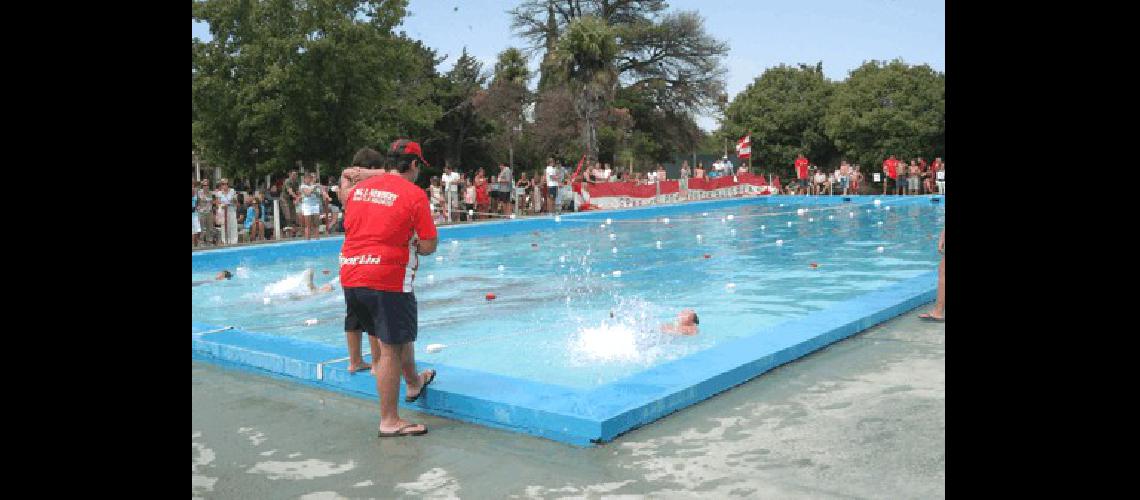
[[408, 147]]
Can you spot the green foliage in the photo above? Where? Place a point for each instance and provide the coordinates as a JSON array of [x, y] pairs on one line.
[[784, 109], [888, 108], [283, 81]]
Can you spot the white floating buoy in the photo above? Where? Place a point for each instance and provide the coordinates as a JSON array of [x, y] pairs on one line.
[[501, 268], [603, 226], [763, 227], [699, 237], [512, 216], [454, 242], [879, 223], [732, 232], [433, 348], [557, 218], [613, 236], [850, 214], [609, 220], [730, 217], [779, 243], [722, 220], [878, 202], [730, 286], [868, 210], [658, 244], [789, 223], [561, 258], [811, 219], [665, 220], [617, 274], [799, 211], [781, 204], [880, 249], [704, 214], [266, 300], [830, 217], [614, 250], [439, 259], [886, 208], [587, 251], [310, 322], [431, 278]]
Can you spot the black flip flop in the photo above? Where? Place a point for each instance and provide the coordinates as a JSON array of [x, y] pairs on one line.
[[400, 432], [410, 399], [927, 317]]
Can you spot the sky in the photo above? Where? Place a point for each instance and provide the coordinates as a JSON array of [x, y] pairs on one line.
[[760, 34]]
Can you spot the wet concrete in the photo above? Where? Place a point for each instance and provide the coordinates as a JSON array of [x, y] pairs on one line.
[[864, 418]]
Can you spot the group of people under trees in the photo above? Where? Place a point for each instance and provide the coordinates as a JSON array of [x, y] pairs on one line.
[[898, 177], [225, 216]]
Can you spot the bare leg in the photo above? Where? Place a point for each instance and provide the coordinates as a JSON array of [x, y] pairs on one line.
[[388, 386], [940, 301], [355, 357]]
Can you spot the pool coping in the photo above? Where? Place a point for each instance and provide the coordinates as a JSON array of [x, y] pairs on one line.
[[576, 416]]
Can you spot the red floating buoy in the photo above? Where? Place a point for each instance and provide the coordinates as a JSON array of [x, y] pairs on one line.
[[490, 296], [813, 265], [326, 272], [707, 256]]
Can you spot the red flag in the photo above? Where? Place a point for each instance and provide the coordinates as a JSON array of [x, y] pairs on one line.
[[744, 147]]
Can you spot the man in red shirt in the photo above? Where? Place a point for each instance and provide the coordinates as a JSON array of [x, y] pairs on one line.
[[802, 172], [385, 216], [890, 170]]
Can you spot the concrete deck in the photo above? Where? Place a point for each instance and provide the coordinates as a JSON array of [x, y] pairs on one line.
[[862, 418]]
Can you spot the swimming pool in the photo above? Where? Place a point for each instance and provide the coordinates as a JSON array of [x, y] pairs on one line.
[[579, 301]]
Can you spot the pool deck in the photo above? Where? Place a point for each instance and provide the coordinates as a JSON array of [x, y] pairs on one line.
[[863, 418], [579, 417]]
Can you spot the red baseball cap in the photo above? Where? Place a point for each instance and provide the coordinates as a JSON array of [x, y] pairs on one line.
[[408, 147]]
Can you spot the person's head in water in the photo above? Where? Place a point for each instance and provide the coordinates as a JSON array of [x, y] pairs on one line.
[[688, 317], [224, 275]]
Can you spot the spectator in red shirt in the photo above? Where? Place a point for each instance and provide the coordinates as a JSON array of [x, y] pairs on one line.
[[386, 214], [890, 171], [802, 173]]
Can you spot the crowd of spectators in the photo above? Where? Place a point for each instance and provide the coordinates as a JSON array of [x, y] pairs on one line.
[[307, 208]]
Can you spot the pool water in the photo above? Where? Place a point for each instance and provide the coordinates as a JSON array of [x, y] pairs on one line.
[[563, 317]]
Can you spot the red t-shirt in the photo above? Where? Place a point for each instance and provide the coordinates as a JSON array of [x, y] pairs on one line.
[[381, 215], [892, 168], [802, 168], [481, 197]]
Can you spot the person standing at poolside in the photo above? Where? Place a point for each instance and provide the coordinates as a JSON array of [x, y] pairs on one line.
[[451, 192], [386, 217], [890, 169], [226, 198], [802, 173], [939, 311], [289, 196], [552, 181], [914, 178], [844, 176]]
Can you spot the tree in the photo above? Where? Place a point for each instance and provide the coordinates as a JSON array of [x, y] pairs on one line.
[[783, 109], [504, 103], [283, 81], [673, 65], [887, 109], [586, 54], [462, 127]]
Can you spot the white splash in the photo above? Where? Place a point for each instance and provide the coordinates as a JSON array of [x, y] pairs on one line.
[[779, 243]]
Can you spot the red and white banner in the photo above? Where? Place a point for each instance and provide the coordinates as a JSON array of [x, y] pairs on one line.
[[609, 195], [744, 147]]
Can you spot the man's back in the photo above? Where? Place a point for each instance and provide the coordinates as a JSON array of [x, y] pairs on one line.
[[382, 214]]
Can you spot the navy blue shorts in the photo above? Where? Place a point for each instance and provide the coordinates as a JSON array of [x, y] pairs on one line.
[[391, 317]]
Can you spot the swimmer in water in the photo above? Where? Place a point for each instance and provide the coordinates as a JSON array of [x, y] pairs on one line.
[[224, 275], [687, 324], [300, 286]]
